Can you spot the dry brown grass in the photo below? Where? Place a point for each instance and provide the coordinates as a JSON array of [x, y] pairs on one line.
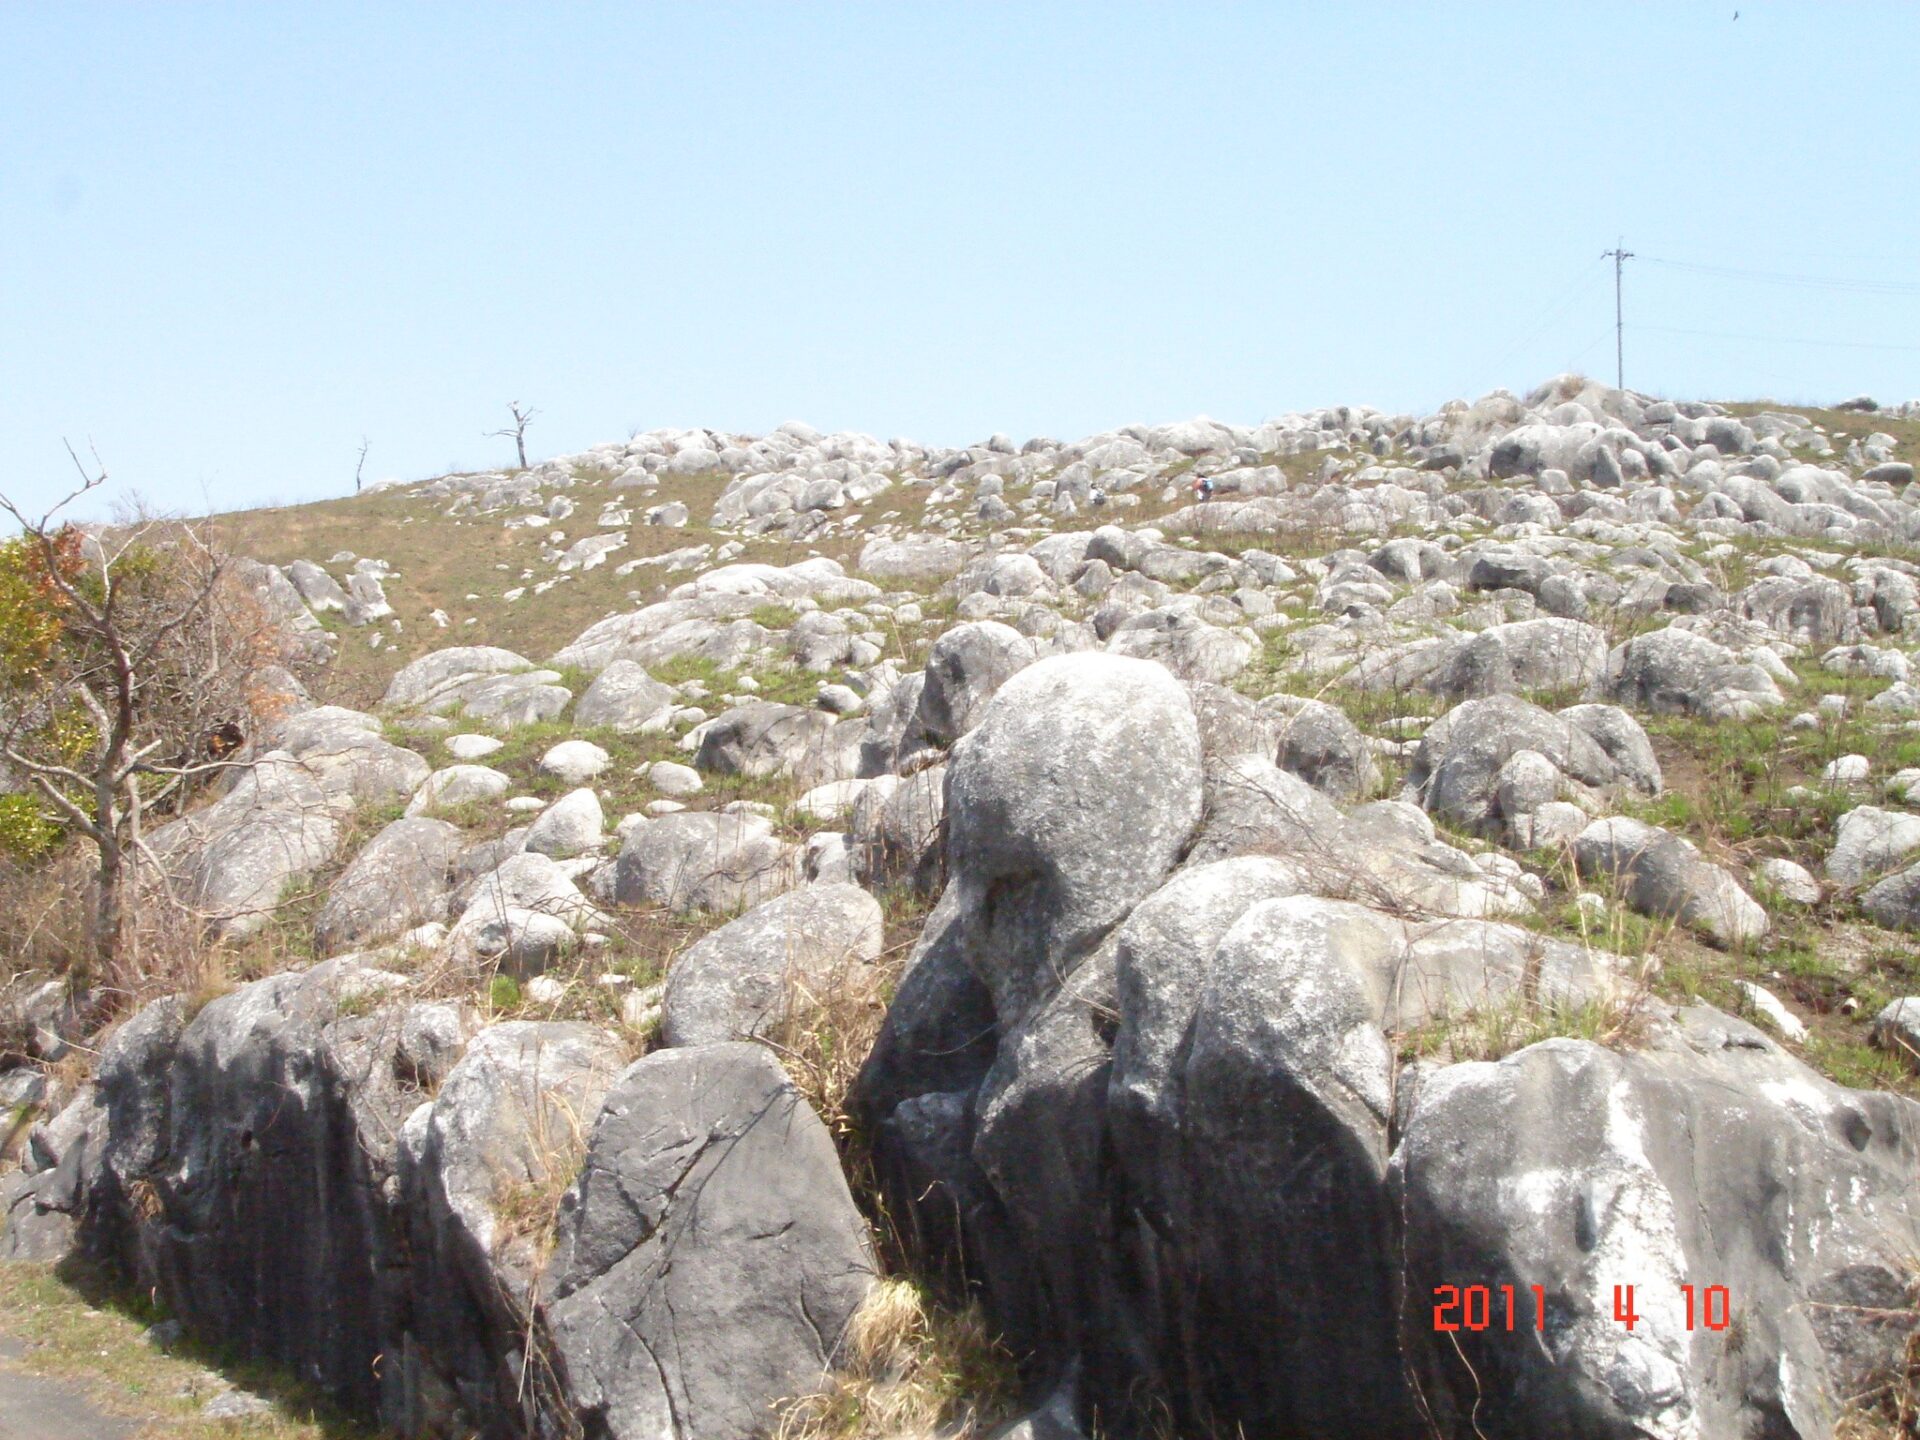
[[1892, 1411], [440, 559], [908, 1370], [526, 1207], [830, 1026], [44, 933]]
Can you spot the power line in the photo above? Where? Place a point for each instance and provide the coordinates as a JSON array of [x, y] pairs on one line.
[[1779, 277], [1552, 312], [1777, 339]]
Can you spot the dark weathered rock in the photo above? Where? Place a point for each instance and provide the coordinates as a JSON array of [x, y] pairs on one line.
[[1456, 772], [246, 1168], [710, 1254], [1677, 672], [965, 667], [508, 1123], [765, 739], [1322, 746], [899, 828], [625, 697], [1895, 901]]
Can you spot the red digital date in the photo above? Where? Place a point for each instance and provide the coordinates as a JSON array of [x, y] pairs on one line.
[[1477, 1310], [1473, 1307]]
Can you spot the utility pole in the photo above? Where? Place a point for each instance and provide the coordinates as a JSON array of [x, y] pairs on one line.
[[1619, 257]]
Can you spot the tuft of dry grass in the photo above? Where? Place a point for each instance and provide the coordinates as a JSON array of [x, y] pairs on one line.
[[526, 1208], [908, 1370], [1891, 1411], [829, 1027]]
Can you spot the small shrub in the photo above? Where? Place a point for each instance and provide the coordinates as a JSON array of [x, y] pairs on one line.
[[27, 832]]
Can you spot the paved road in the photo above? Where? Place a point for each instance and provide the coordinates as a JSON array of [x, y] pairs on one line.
[[35, 1409]]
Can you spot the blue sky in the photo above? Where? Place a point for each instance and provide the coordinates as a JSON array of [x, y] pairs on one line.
[[236, 239]]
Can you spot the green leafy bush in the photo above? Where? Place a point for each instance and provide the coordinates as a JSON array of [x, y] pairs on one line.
[[26, 831]]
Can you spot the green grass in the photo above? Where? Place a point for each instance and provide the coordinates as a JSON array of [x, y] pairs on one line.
[[1493, 1032], [1620, 929], [774, 617], [80, 1327]]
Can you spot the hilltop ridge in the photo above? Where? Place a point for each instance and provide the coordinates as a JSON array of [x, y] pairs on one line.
[[1360, 925]]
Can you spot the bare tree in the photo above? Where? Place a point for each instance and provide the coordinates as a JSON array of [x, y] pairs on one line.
[[360, 468], [517, 432], [128, 664]]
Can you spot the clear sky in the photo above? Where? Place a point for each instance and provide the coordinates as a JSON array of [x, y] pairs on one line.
[[235, 239]]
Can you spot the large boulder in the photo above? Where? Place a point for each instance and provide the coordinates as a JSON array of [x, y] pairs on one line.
[[319, 590], [763, 739], [79, 1168], [420, 683], [897, 828], [481, 682], [702, 860], [1815, 611], [458, 785], [1460, 772], [1317, 742], [1525, 655], [1067, 803], [710, 627], [399, 880], [1706, 1158], [522, 880], [1164, 954], [1231, 724], [624, 697], [482, 1169], [1869, 840], [1187, 645], [1552, 655], [965, 667], [346, 753], [234, 860], [1665, 876], [922, 560], [779, 961], [252, 1165], [710, 1255], [571, 825], [1252, 807], [1895, 901], [1676, 672], [1209, 1095]]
